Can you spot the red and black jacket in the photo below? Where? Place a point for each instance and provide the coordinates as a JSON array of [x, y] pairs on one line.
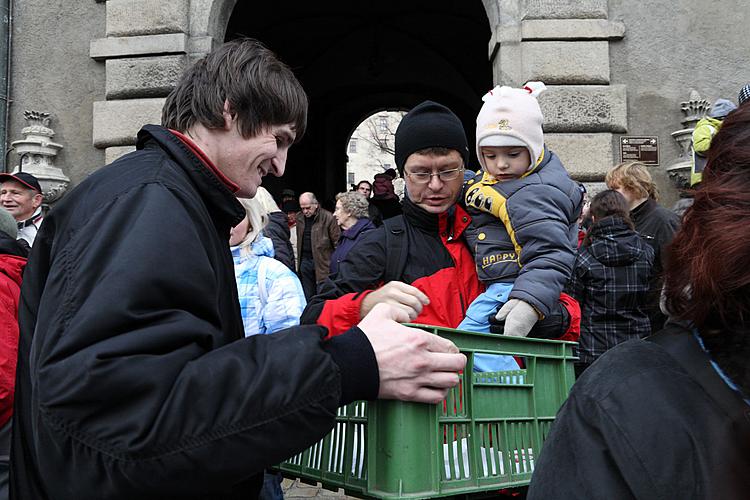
[[438, 263]]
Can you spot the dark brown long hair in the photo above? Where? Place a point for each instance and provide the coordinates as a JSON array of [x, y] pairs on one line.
[[707, 272], [608, 203]]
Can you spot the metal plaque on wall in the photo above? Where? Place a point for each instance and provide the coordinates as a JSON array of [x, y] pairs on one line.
[[644, 149]]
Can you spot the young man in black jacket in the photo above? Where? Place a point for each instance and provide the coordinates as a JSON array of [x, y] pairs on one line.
[[136, 379]]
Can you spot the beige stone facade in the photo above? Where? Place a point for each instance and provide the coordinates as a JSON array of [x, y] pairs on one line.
[[613, 67]]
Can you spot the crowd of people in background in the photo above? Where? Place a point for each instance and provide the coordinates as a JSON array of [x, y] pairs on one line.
[[513, 246]]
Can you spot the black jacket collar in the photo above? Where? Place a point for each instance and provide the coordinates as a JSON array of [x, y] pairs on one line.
[[419, 217], [220, 200], [643, 209]]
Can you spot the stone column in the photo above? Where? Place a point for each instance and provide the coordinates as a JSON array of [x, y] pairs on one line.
[[36, 153], [565, 44], [147, 47]]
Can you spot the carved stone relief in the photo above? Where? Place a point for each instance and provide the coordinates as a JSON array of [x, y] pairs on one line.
[[37, 153]]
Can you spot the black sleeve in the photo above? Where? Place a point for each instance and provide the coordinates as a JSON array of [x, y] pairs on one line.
[[278, 231], [537, 219], [362, 269]]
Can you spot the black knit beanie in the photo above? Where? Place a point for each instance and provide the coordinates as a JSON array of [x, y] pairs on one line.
[[429, 125]]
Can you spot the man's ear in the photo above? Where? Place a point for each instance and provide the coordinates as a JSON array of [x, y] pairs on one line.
[[37, 200], [229, 116]]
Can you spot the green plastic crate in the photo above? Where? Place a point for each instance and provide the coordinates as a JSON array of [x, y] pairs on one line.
[[485, 435]]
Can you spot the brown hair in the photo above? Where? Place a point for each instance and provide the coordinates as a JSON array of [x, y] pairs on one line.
[[259, 89], [707, 279], [634, 177], [608, 203]]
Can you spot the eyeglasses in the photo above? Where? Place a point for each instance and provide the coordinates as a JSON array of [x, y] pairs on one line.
[[426, 177]]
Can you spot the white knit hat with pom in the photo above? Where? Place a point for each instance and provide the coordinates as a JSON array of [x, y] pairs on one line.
[[512, 117]]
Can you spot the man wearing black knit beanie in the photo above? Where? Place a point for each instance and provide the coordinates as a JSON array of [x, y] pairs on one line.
[[429, 125], [418, 261], [420, 256]]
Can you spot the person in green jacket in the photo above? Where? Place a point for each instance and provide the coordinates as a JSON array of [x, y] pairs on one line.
[[704, 131]]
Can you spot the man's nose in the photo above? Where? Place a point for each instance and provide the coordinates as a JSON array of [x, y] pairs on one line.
[[435, 182], [278, 162]]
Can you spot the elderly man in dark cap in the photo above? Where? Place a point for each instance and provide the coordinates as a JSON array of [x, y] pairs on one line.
[[21, 195]]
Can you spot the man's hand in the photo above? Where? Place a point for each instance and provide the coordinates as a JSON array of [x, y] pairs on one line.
[[519, 318], [405, 297], [414, 365]]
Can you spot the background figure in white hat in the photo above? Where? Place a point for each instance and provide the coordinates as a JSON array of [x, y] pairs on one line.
[[524, 209]]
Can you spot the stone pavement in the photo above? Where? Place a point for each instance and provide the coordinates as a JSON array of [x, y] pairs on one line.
[[296, 489]]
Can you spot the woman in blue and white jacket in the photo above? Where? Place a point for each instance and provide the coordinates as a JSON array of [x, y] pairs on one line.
[[271, 296]]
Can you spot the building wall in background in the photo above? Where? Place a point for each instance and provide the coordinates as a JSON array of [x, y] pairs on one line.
[[370, 149], [614, 67], [51, 71]]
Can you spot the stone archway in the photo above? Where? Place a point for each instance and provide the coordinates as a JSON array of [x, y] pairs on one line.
[[352, 59], [209, 18], [145, 53]]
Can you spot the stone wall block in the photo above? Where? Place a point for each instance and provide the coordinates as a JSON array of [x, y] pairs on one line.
[[144, 76], [566, 62], [584, 108], [586, 157], [128, 46], [116, 123], [572, 29], [113, 153], [565, 9], [146, 17]]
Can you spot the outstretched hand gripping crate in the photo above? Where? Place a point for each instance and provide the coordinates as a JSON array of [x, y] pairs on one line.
[[485, 436]]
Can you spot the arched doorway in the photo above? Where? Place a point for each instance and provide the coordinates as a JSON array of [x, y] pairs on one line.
[[353, 58]]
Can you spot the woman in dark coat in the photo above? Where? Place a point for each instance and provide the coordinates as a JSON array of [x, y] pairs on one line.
[[276, 227], [352, 215], [667, 417], [610, 280]]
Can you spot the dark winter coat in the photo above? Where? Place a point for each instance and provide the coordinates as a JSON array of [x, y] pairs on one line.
[[374, 214], [140, 382], [347, 241], [657, 226], [277, 229], [644, 424], [610, 280], [325, 233], [525, 231], [387, 207]]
